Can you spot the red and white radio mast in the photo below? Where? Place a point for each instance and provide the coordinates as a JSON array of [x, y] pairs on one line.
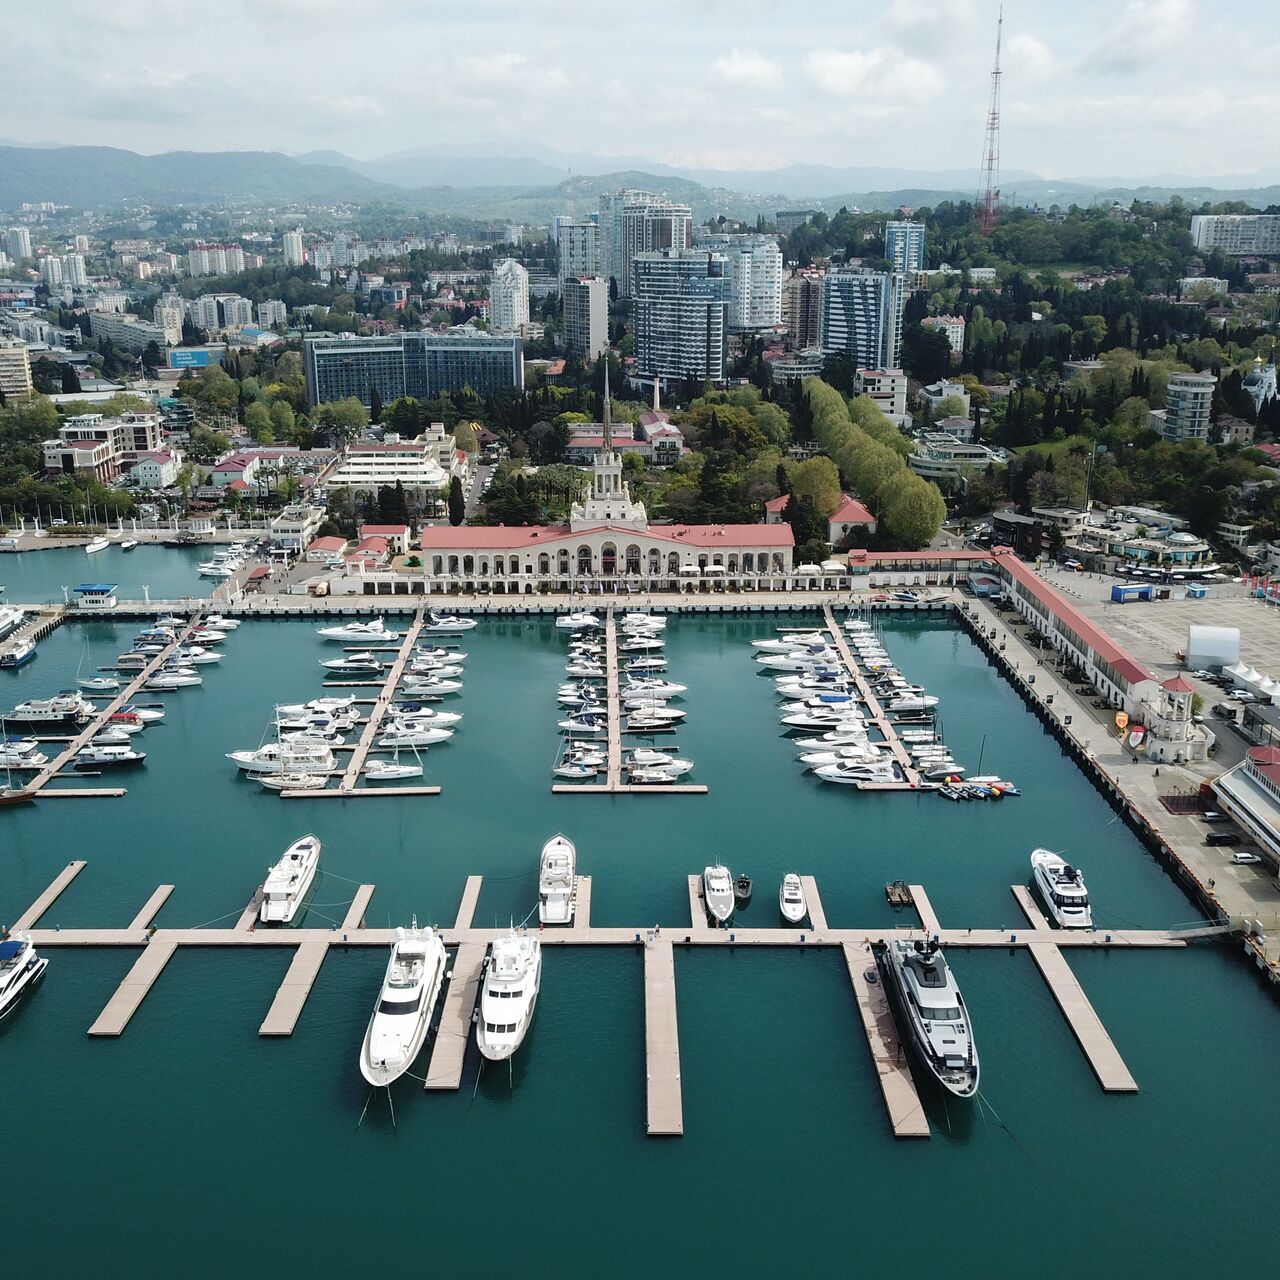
[[988, 201]]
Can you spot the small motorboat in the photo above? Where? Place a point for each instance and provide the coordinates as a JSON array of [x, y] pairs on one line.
[[20, 968], [19, 655], [97, 544], [22, 753], [742, 889], [717, 892], [358, 665], [858, 772], [319, 706], [220, 623], [359, 632], [430, 686], [128, 544], [292, 781], [578, 622], [164, 681], [643, 621], [576, 770], [804, 640], [390, 771], [446, 622], [586, 726], [438, 652], [791, 899], [423, 716], [653, 776], [671, 768], [412, 736]]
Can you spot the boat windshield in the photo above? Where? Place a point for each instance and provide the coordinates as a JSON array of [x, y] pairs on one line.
[[1071, 900], [940, 1013], [401, 1006]]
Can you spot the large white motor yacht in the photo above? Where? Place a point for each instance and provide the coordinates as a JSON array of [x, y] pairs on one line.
[[578, 622], [717, 891], [359, 632], [287, 757], [937, 1022], [412, 736], [1062, 888], [288, 881], [790, 643], [791, 899], [859, 771], [65, 708], [19, 969], [402, 1015], [556, 880], [510, 991], [443, 623]]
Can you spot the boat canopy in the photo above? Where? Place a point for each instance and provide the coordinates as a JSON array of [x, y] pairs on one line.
[[9, 949], [97, 588]]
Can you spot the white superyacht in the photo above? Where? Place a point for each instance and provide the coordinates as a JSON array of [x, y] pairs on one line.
[[402, 1015], [556, 880], [509, 993], [288, 881]]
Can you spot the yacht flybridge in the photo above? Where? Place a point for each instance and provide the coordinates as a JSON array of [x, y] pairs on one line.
[[1062, 889], [934, 1013], [20, 967], [508, 995], [556, 879], [288, 881], [410, 989]]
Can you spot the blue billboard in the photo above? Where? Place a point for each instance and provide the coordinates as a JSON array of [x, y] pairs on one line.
[[188, 359]]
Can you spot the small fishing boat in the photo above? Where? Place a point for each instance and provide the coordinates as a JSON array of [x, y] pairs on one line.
[[288, 880], [791, 899]]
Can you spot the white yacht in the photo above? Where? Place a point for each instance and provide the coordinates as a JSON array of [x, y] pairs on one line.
[[791, 899], [556, 880], [320, 706], [836, 755], [789, 644], [390, 771], [423, 716], [911, 702], [663, 689], [408, 997], [937, 1022], [510, 991], [410, 736], [166, 681], [858, 771], [853, 734], [291, 781], [430, 686], [1062, 888], [442, 623], [355, 664], [288, 881], [19, 969], [646, 663], [578, 622], [108, 755], [360, 632], [640, 644], [285, 757], [830, 719], [668, 771], [97, 544], [798, 660], [576, 770], [717, 892], [647, 621], [221, 623], [66, 708], [22, 753]]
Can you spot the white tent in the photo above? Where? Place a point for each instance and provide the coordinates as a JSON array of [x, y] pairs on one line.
[[1269, 688], [808, 568], [1236, 669], [1251, 678]]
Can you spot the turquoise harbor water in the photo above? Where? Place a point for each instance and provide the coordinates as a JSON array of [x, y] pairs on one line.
[[170, 573], [191, 1146]]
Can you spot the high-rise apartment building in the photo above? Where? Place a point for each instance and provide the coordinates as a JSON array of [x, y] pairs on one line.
[[51, 270], [1188, 401], [236, 311], [586, 316], [15, 369], [755, 279], [19, 242], [215, 259], [681, 314], [611, 210], [82, 244], [1237, 234], [272, 312], [904, 246], [508, 296], [73, 270], [789, 220], [802, 309], [169, 312], [862, 316], [129, 333], [652, 226], [292, 247], [411, 363], [579, 249]]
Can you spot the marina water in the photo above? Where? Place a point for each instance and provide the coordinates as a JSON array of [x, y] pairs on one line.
[[191, 1146]]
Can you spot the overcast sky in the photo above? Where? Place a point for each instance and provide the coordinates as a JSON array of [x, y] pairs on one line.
[[1091, 87]]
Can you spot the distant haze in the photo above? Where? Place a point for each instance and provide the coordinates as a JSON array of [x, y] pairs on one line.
[[741, 94]]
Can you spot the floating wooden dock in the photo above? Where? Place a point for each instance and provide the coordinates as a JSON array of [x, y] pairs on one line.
[[875, 713], [1030, 909], [664, 1109], [812, 900], [354, 919], [286, 1008], [133, 990], [467, 907], [151, 907], [698, 907], [924, 908], [906, 1114], [581, 902], [1092, 1036], [453, 1033], [42, 904]]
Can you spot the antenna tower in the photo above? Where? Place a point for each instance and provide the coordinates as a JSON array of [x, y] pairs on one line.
[[988, 201]]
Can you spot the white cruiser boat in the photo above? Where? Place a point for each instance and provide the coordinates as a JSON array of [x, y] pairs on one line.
[[640, 644], [668, 771], [647, 757], [206, 635], [645, 722], [717, 892], [434, 667], [220, 623], [655, 711], [408, 997], [858, 753], [556, 879], [320, 721], [20, 967], [196, 656], [411, 736], [646, 621], [663, 689], [912, 702], [853, 734], [439, 651], [798, 661], [430, 686], [97, 544], [22, 753], [646, 663], [837, 722], [320, 706], [285, 757], [309, 736], [356, 664], [108, 755], [1062, 889], [585, 671], [99, 684], [790, 644], [576, 770], [288, 881], [390, 771], [424, 716], [441, 623], [359, 632], [165, 681], [791, 900], [937, 1022], [65, 708], [507, 998], [221, 566], [858, 771], [292, 781], [578, 622]]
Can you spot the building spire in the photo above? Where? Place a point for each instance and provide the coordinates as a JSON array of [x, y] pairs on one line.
[[608, 423]]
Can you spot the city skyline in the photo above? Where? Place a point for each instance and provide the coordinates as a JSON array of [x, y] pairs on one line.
[[1150, 87]]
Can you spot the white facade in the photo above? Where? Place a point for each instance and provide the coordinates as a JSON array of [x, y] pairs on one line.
[[425, 464], [272, 312], [936, 392], [215, 259], [296, 526], [579, 250], [19, 242], [904, 246], [156, 470], [291, 245], [15, 369], [638, 222], [169, 312], [51, 270], [755, 279], [1236, 234], [129, 333], [1188, 400], [509, 296], [1205, 284], [888, 388], [862, 316], [952, 326], [236, 311], [73, 270], [586, 316]]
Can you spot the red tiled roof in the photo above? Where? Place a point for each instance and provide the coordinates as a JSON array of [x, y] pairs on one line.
[[851, 511], [500, 537], [777, 504], [1179, 685], [375, 546], [238, 485], [1264, 755], [327, 544], [385, 530]]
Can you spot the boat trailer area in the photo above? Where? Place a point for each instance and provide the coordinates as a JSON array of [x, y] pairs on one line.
[[664, 1109]]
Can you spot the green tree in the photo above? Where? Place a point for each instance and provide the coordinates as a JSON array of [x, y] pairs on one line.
[[70, 380], [818, 480], [341, 420], [257, 422], [464, 437], [457, 503]]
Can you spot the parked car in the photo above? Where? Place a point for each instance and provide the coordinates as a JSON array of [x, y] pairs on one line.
[[1243, 858], [1223, 837]]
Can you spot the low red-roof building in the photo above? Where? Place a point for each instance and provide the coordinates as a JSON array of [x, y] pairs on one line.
[[395, 535], [850, 516], [326, 550]]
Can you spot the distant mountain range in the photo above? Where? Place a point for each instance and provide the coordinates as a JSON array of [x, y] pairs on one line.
[[454, 181]]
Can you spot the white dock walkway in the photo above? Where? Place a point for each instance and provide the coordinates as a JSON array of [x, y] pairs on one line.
[[664, 1108]]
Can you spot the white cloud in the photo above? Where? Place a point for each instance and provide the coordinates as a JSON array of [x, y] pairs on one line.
[[746, 67], [1030, 54], [882, 74]]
